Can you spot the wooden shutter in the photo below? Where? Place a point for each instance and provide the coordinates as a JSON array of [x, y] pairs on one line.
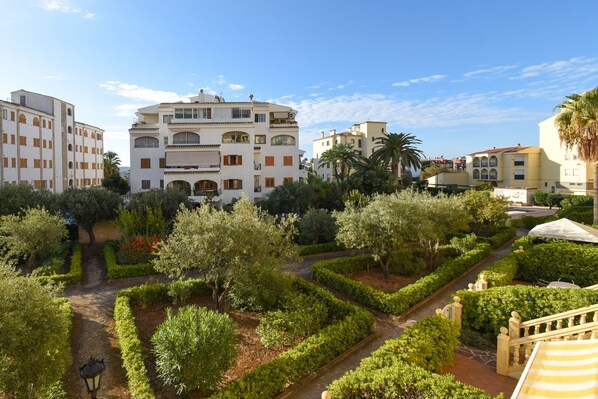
[[226, 160], [239, 160], [225, 184]]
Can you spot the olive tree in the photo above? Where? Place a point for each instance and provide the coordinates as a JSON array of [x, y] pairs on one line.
[[34, 330], [220, 245], [486, 212], [26, 236]]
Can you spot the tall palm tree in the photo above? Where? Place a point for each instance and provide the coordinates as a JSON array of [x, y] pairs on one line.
[[342, 155], [111, 164], [399, 150], [577, 125]]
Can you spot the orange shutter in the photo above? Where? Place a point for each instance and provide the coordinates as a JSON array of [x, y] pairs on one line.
[[226, 161], [239, 160]]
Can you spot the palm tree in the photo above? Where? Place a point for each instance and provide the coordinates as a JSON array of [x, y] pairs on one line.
[[577, 125], [111, 164], [399, 150], [342, 155]]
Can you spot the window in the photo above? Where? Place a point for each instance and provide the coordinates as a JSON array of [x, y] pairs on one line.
[[50, 144], [484, 174], [45, 142], [284, 139], [44, 125], [233, 160], [99, 136], [476, 162], [352, 141], [166, 118], [23, 162], [49, 124], [269, 182], [12, 139], [235, 137], [69, 129], [93, 135], [85, 149], [241, 113], [185, 138], [37, 163], [146, 142], [22, 118], [145, 184], [162, 163], [84, 165], [23, 100], [493, 161], [13, 162], [287, 180], [269, 160], [45, 164], [233, 184], [50, 163], [260, 139], [12, 116], [146, 163], [69, 112], [519, 175], [5, 114], [165, 141], [36, 142], [6, 162], [519, 161], [287, 160], [484, 162], [69, 147], [359, 142], [36, 122], [260, 117], [162, 184], [4, 138], [85, 133], [70, 164], [189, 113], [22, 140], [493, 174]]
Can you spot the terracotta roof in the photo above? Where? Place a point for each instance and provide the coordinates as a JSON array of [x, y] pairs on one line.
[[497, 150]]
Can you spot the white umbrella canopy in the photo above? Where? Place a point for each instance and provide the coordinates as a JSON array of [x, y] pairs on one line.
[[565, 229]]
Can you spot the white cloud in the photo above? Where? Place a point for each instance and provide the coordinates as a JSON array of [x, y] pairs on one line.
[[53, 77], [220, 80], [140, 93], [64, 7], [235, 86], [89, 15], [488, 71], [127, 109], [426, 79], [574, 68]]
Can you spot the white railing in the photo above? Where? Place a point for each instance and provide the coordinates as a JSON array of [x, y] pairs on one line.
[[452, 311]]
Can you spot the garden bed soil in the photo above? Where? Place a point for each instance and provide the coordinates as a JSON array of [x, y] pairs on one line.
[[375, 279], [251, 353]]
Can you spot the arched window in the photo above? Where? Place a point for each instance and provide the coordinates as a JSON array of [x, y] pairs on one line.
[[235, 137], [493, 174], [69, 129], [181, 185], [205, 187], [484, 174], [476, 162], [476, 174], [35, 122], [22, 118], [69, 147], [283, 139], [70, 164], [93, 135], [484, 162], [493, 161], [69, 112], [185, 138], [146, 142]]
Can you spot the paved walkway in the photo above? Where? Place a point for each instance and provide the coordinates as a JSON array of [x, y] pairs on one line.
[[388, 327]]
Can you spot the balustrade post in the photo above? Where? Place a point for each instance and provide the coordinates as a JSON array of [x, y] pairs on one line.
[[502, 352], [326, 395], [457, 311], [470, 287], [483, 282], [515, 325]]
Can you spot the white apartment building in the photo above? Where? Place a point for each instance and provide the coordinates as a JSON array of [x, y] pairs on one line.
[[43, 145], [212, 148], [362, 136]]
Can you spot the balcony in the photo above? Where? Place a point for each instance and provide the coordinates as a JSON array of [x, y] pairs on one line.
[[257, 166], [206, 193], [257, 189]]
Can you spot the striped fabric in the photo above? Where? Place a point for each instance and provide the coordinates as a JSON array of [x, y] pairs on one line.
[[563, 369]]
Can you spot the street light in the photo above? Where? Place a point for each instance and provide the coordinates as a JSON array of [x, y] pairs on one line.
[[91, 373]]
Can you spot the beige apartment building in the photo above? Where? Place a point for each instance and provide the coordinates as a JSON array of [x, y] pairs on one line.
[[44, 146]]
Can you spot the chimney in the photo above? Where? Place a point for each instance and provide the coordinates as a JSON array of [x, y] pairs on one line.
[[322, 134], [251, 97], [332, 132]]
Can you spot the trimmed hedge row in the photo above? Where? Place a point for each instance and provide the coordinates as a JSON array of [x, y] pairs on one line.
[[331, 273], [121, 271], [501, 272], [503, 236], [75, 274], [352, 325], [579, 214], [529, 222], [57, 391], [486, 311], [320, 248], [404, 366]]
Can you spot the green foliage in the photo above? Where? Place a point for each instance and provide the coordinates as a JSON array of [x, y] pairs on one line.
[[577, 200], [116, 183], [403, 367], [75, 273], [194, 348], [299, 318], [529, 222], [371, 179], [319, 248], [465, 243], [331, 274], [579, 214], [298, 197], [116, 270], [16, 199], [260, 289], [500, 237], [89, 206], [502, 272], [34, 335], [431, 171], [144, 222], [351, 324], [542, 198], [486, 311], [28, 235], [169, 200], [399, 150], [316, 226], [487, 212], [407, 262]]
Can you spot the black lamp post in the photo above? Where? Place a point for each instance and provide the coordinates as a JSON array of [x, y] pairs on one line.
[[91, 373]]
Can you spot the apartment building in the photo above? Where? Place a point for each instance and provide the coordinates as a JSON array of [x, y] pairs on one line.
[[212, 148], [362, 136], [44, 146]]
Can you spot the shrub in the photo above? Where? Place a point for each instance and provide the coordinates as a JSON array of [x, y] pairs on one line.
[[316, 226], [320, 248], [579, 214], [260, 289], [137, 249], [529, 222], [577, 200], [542, 198], [299, 318], [500, 237], [502, 272], [194, 348], [120, 271], [75, 273], [465, 243]]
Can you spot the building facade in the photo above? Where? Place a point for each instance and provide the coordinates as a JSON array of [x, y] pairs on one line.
[[44, 146], [361, 136], [215, 149]]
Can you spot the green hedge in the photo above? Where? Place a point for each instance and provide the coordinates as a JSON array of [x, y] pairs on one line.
[[75, 274], [529, 222], [579, 214], [498, 239], [487, 311], [267, 381], [331, 273], [57, 391], [120, 271], [403, 367], [319, 248], [501, 272]]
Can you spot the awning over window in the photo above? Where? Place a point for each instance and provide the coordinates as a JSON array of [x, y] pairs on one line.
[[203, 159]]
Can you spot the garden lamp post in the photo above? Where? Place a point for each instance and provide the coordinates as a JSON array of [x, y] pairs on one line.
[[91, 373]]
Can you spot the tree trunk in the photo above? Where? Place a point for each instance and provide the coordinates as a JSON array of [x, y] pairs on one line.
[[222, 297], [595, 192], [92, 237], [385, 264], [394, 167], [30, 261]]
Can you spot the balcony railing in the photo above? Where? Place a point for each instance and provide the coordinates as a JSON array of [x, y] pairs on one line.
[[257, 166], [207, 193], [257, 189]]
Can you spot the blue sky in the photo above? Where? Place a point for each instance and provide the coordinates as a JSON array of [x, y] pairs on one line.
[[460, 75]]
